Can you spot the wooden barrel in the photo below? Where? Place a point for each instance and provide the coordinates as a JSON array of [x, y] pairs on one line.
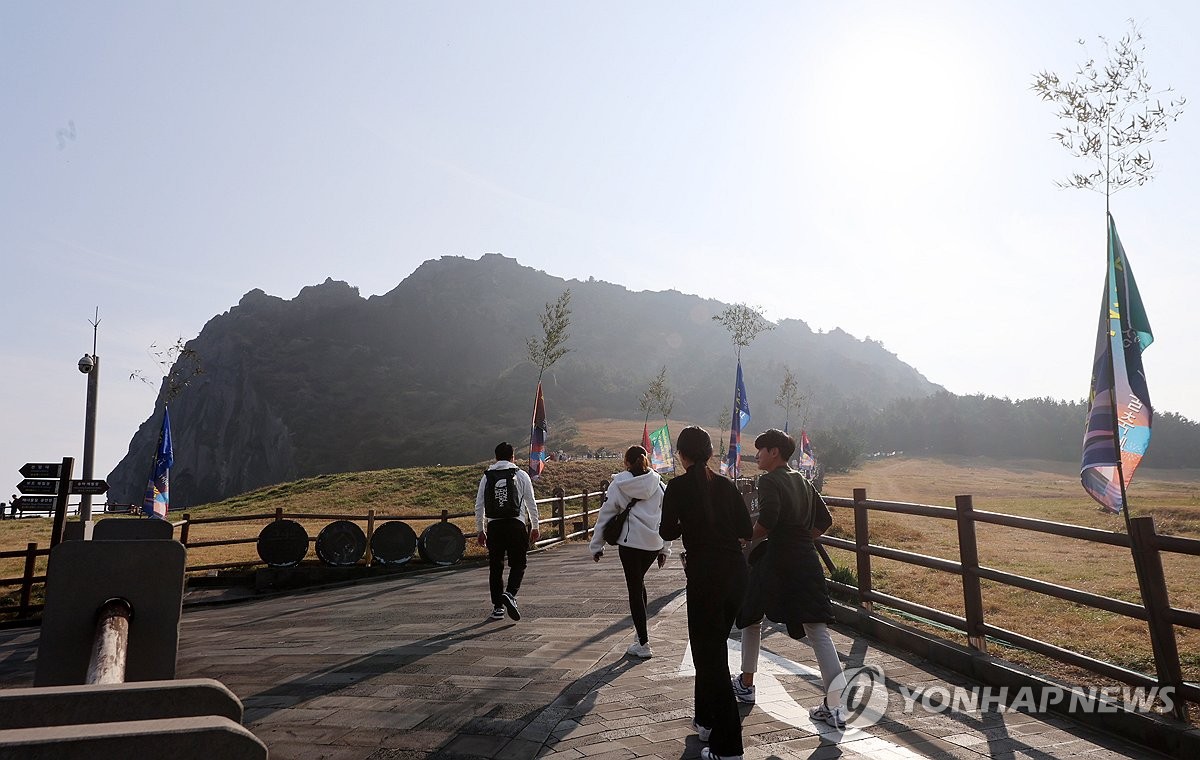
[[442, 544], [341, 543], [393, 543], [282, 543]]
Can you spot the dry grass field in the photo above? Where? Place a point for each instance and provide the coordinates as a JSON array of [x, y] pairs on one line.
[[1046, 490]]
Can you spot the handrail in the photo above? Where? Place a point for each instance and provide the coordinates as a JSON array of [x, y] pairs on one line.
[[1145, 544]]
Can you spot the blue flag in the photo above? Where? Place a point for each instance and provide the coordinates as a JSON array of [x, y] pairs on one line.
[[157, 501], [738, 421]]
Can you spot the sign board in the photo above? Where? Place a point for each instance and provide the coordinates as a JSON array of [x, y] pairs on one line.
[[35, 502], [41, 470], [38, 486], [89, 486]]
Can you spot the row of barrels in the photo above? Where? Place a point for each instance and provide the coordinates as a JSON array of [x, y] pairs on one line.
[[342, 543]]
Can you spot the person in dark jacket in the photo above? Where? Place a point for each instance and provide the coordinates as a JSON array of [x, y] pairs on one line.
[[787, 583], [707, 510]]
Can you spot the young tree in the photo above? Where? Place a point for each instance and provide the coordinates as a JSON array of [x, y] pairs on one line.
[[551, 346], [1110, 115], [744, 324], [723, 423], [179, 364], [789, 397], [664, 399]]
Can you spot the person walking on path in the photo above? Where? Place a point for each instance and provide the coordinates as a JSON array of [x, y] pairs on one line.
[[506, 518], [707, 510], [787, 583], [638, 490]]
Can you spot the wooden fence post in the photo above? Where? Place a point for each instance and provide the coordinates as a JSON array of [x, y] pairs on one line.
[[968, 555], [561, 507], [27, 579], [370, 532], [184, 529], [862, 539], [1148, 564], [585, 514], [278, 513]]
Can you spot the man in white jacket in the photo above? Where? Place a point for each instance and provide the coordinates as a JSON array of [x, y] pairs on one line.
[[506, 519], [639, 490]]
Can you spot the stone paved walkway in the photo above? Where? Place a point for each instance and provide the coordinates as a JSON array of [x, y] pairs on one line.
[[411, 668]]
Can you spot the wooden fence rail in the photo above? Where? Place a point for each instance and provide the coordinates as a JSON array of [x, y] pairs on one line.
[[1146, 546]]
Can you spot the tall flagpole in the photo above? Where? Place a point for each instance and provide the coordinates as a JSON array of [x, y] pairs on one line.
[[1121, 311]]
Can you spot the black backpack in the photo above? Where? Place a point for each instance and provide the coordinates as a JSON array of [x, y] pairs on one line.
[[501, 499]]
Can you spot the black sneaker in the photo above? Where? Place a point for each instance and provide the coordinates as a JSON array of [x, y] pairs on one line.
[[497, 614], [510, 604]]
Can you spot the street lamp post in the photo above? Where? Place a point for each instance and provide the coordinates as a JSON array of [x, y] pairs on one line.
[[90, 366]]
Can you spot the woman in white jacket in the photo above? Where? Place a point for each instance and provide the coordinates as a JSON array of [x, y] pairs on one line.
[[639, 544]]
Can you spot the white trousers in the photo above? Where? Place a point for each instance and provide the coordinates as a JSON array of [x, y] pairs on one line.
[[817, 635]]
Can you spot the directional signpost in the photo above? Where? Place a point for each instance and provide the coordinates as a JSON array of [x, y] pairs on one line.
[[35, 502], [41, 470], [91, 487], [38, 486], [56, 492]]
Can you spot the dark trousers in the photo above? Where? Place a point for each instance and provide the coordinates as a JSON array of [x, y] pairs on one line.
[[506, 538], [715, 588], [635, 563]]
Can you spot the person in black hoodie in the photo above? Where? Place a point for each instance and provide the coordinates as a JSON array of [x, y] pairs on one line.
[[707, 510]]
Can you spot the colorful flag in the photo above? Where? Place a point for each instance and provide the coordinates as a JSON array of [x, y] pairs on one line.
[[537, 436], [157, 499], [646, 438], [806, 452], [738, 421], [662, 458], [1119, 411]]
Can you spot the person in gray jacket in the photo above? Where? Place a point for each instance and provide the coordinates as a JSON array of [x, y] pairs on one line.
[[638, 489]]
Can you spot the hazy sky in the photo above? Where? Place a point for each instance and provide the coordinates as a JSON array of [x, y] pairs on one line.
[[876, 166]]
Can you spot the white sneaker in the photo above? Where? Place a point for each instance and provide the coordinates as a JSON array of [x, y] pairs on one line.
[[640, 650], [708, 754], [743, 694], [835, 717], [701, 732], [510, 605]]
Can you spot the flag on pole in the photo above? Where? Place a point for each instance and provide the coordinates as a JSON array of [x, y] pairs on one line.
[[1119, 412], [157, 499], [739, 419], [646, 438], [806, 451], [537, 437], [662, 458]]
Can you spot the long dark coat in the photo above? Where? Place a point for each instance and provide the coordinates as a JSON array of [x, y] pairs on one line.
[[787, 585]]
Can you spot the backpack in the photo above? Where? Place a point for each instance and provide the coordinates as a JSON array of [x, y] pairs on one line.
[[501, 499], [612, 528]]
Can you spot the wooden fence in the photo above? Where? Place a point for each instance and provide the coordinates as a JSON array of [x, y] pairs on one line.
[[1146, 546]]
